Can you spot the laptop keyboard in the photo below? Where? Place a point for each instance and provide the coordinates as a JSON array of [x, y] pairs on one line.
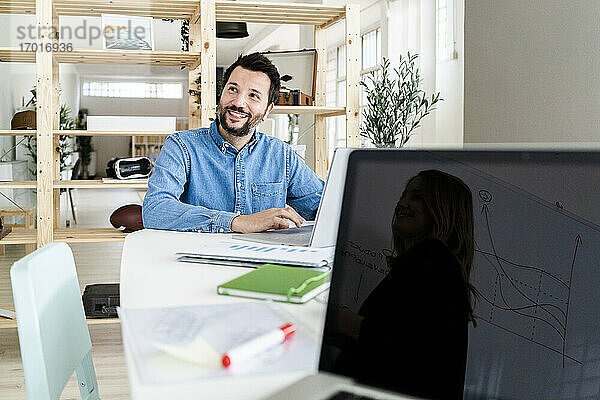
[[349, 396]]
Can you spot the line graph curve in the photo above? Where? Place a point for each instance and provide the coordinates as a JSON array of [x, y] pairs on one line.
[[522, 296]]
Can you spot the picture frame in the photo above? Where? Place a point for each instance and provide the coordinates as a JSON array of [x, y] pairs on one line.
[[123, 32], [301, 68]]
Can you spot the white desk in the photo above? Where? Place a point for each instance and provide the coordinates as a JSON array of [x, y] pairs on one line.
[[152, 277]]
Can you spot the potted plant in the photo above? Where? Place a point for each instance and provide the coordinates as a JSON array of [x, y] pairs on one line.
[[66, 122], [395, 104], [84, 145]]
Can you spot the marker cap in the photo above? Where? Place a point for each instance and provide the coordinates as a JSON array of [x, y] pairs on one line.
[[226, 361], [288, 330]]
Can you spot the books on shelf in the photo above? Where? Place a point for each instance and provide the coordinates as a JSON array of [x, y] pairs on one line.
[[279, 283]]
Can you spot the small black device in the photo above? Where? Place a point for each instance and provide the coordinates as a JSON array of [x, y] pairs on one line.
[[101, 300], [129, 168]]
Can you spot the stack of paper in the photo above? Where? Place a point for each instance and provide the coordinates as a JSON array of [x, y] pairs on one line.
[[253, 253]]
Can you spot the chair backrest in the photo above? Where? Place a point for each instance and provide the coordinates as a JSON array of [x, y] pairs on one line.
[[76, 173], [53, 332]]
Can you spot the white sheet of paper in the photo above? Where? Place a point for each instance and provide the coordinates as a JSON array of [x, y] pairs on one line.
[[185, 343]]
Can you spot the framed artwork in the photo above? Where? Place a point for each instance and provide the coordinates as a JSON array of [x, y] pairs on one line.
[[124, 32]]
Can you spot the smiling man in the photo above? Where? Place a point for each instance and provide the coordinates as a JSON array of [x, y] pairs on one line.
[[230, 177]]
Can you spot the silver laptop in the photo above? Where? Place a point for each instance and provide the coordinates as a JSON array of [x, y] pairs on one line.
[[323, 231]]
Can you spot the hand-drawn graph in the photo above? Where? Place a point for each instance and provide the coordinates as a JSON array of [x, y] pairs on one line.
[[526, 298]]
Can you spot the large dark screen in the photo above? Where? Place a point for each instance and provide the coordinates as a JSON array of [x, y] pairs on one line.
[[399, 313]]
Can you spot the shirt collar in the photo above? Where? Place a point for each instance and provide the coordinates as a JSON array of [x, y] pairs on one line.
[[216, 136], [222, 144], [252, 143]]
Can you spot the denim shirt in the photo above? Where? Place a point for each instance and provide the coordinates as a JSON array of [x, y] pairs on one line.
[[201, 182]]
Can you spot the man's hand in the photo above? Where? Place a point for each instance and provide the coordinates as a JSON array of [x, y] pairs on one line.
[[273, 218]]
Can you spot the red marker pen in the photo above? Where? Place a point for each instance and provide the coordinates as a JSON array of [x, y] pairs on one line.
[[259, 344]]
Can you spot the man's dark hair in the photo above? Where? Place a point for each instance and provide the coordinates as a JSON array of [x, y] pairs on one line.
[[258, 63]]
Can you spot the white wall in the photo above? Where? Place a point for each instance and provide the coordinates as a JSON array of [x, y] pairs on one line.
[[449, 82], [531, 71]]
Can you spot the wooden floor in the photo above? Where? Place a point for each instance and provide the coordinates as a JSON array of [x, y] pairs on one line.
[[96, 263]]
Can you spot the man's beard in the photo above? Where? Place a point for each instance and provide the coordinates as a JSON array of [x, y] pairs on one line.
[[251, 122]]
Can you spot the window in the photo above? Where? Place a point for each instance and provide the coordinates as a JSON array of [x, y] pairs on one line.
[[371, 49], [142, 90], [341, 61], [445, 30], [336, 83]]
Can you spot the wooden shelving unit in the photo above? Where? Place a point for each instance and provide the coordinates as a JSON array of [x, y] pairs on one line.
[[200, 61]]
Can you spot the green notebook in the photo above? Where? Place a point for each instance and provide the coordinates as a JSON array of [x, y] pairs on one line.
[[279, 283]]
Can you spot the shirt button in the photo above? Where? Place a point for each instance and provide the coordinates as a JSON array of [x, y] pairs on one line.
[[221, 230], [239, 184], [238, 212]]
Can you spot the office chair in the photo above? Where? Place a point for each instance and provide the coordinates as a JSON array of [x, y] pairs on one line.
[[53, 332]]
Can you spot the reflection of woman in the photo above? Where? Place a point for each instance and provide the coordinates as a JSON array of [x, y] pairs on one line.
[[412, 329]]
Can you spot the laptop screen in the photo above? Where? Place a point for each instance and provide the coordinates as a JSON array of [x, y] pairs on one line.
[[468, 274]]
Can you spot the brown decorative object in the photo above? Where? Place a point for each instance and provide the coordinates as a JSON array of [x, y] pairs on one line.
[[128, 217], [294, 98], [23, 120]]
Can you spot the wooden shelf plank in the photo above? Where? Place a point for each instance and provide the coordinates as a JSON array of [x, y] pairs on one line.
[[19, 132], [259, 12], [148, 11], [177, 9], [316, 110], [20, 236], [98, 184], [6, 323], [100, 56], [278, 13], [102, 321], [17, 7], [112, 133], [259, 19], [129, 57], [69, 235], [18, 185], [14, 54], [12, 323], [88, 235]]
